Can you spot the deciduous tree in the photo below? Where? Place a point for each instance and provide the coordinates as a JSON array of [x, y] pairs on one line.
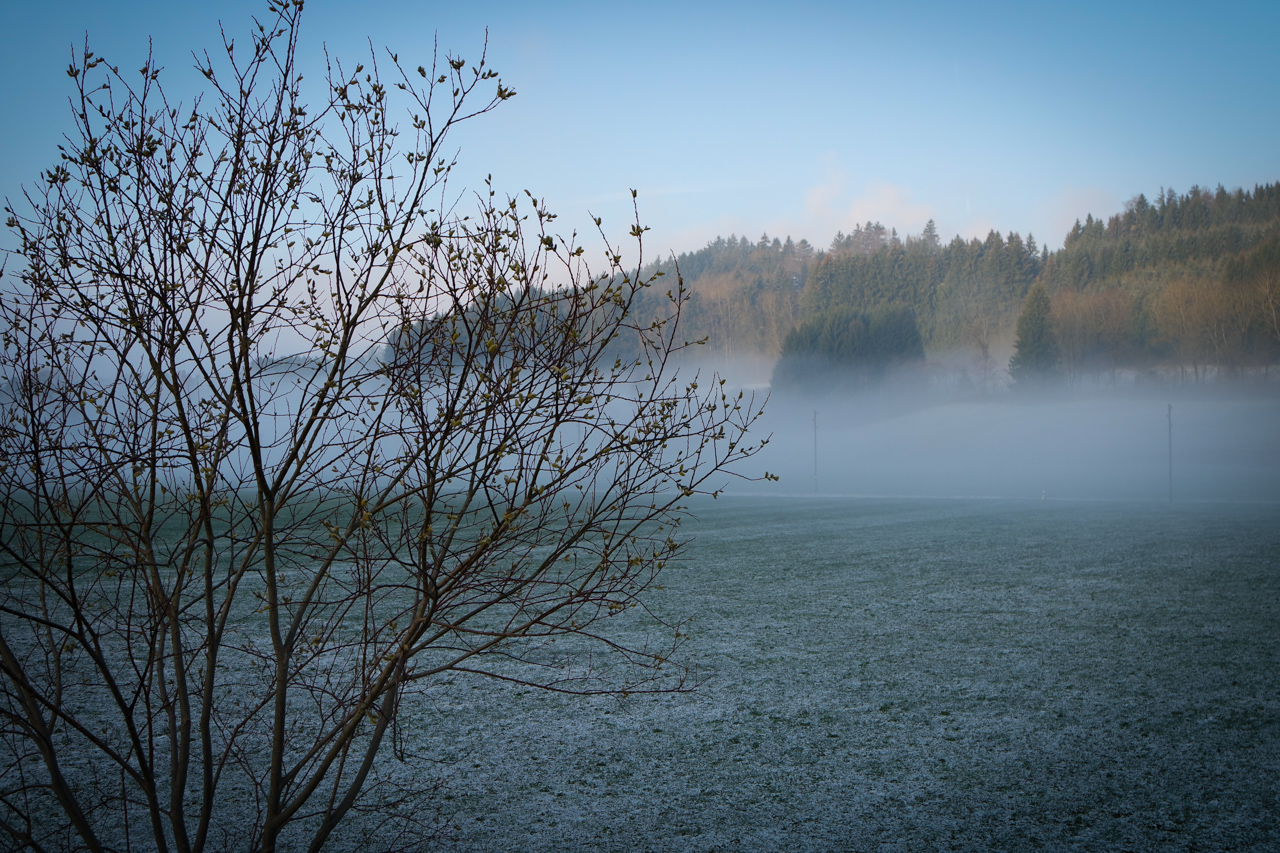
[[238, 532]]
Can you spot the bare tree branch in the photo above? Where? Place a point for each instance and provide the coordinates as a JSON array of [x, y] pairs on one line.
[[288, 433]]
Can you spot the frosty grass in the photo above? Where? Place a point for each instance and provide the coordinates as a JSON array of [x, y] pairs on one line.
[[908, 675]]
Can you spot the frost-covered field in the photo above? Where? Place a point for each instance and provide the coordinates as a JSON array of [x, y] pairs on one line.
[[910, 675]]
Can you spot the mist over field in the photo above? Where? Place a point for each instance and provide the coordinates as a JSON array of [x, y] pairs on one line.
[[1110, 444], [982, 625]]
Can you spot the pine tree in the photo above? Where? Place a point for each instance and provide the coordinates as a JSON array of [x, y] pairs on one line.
[[1035, 356], [930, 235]]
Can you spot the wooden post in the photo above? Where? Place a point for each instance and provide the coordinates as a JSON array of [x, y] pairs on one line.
[[1171, 453]]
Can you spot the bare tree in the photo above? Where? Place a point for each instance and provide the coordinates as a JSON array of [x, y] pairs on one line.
[[1182, 318], [286, 437], [1266, 287], [1114, 312], [1090, 327], [1230, 320], [1071, 316]]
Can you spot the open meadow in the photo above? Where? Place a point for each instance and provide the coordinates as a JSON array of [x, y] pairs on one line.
[[899, 674]]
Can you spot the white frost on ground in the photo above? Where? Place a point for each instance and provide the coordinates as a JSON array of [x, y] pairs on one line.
[[907, 675]]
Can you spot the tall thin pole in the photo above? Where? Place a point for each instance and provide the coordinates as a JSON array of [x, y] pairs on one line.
[[1171, 453], [815, 451]]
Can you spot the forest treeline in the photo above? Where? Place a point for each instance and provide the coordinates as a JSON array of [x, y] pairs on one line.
[[1187, 282]]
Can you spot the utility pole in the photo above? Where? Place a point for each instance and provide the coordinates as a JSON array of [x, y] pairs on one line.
[[815, 451], [1171, 453]]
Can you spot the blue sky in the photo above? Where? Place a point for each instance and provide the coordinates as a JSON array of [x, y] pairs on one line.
[[792, 118]]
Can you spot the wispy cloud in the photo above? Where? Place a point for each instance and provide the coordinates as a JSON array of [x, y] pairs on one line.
[[832, 205], [1061, 209], [977, 227]]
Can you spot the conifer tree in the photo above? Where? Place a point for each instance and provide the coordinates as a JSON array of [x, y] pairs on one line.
[[1035, 357]]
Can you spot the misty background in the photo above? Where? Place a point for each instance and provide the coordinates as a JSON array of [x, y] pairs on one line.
[[1111, 446]]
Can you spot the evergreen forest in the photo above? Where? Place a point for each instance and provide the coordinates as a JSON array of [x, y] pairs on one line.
[[1185, 286]]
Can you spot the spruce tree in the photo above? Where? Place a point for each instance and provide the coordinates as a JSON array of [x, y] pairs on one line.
[[1035, 356]]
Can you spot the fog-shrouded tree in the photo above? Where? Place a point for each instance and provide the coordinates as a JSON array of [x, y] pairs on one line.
[[843, 349], [289, 433], [1035, 354], [1181, 315]]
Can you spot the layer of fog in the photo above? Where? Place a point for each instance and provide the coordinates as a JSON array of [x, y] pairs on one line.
[[1097, 441]]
